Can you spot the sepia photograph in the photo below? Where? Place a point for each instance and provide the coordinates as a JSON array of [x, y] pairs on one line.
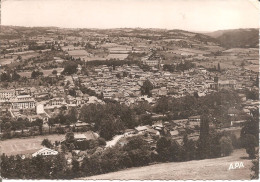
[[129, 90]]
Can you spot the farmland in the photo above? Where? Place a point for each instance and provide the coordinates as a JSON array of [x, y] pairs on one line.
[[45, 72], [78, 53], [208, 169]]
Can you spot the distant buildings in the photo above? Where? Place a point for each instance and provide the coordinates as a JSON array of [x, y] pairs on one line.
[[226, 84]]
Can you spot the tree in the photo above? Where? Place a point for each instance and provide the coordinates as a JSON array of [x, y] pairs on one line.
[[168, 67], [101, 141], [64, 148], [75, 167], [163, 146], [71, 147], [54, 72], [70, 68], [5, 77], [109, 127], [146, 119], [203, 142], [19, 58], [249, 142], [196, 95], [39, 123], [146, 88], [226, 146], [255, 167], [36, 74], [15, 76], [136, 143], [72, 92], [47, 143], [189, 148], [69, 137], [51, 122], [139, 157], [72, 115], [162, 105], [219, 67]]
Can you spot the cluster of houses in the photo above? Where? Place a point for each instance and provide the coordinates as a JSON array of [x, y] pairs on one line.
[[124, 82]]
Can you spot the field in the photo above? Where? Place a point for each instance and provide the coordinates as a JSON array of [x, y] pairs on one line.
[[79, 53], [25, 74], [208, 169], [252, 67], [49, 72], [45, 72], [117, 56], [25, 145], [5, 61]]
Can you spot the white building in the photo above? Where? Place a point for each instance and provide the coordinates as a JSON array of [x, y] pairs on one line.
[[23, 102], [40, 109], [151, 62], [45, 152], [7, 94]]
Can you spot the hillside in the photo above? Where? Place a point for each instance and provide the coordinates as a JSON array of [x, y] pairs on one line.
[[236, 38], [208, 169]]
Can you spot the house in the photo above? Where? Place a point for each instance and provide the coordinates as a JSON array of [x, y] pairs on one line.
[[238, 123], [158, 127], [57, 102], [174, 133], [153, 132], [129, 132], [90, 135], [141, 129], [45, 152], [247, 111], [80, 137], [194, 118], [80, 124]]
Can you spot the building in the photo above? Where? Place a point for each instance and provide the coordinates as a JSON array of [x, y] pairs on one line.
[[7, 94], [226, 84], [45, 152], [80, 137], [141, 129], [40, 109], [23, 102], [151, 62], [194, 119], [57, 102]]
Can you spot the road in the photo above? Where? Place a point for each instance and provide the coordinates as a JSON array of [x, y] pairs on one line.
[[114, 140]]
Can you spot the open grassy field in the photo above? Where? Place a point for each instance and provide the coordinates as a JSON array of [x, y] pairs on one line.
[[252, 67], [25, 145], [208, 169], [45, 72], [79, 53], [4, 61]]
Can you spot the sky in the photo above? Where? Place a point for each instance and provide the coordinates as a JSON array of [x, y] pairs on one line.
[[193, 15]]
